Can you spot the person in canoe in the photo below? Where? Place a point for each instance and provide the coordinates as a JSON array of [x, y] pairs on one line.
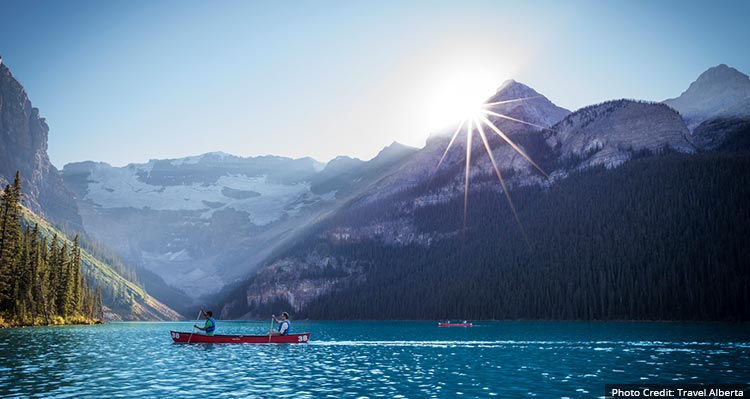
[[284, 325], [210, 325]]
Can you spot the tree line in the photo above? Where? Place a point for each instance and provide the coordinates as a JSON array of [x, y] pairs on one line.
[[40, 281]]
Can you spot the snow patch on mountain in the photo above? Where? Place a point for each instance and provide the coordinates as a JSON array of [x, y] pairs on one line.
[[111, 187]]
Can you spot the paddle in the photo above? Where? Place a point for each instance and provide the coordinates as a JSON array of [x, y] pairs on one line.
[[271, 329], [196, 322]]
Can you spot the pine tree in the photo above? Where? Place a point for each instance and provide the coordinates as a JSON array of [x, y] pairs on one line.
[[76, 276], [64, 284], [24, 279], [10, 241], [44, 273], [17, 188], [98, 307], [53, 275], [37, 274], [5, 251]]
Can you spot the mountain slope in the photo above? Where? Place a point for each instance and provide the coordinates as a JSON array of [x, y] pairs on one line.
[[23, 147], [123, 299], [621, 243]]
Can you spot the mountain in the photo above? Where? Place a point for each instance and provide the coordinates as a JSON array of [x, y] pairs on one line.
[[610, 133], [716, 107], [197, 222], [594, 239], [23, 147], [202, 222], [720, 91]]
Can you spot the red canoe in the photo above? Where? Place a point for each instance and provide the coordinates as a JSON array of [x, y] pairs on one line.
[[455, 324], [186, 337]]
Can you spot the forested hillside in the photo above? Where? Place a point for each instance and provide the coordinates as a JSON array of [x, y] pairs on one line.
[[49, 277], [659, 238], [123, 299], [40, 282]]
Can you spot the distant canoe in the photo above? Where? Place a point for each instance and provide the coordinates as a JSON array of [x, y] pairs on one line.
[[186, 337], [455, 324]]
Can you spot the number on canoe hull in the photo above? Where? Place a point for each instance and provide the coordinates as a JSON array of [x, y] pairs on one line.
[[302, 338]]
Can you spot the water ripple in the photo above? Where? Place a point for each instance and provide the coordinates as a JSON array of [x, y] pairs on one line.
[[367, 360]]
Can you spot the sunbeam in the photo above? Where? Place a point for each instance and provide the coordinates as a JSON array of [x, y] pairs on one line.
[[469, 132], [513, 119], [502, 182], [512, 144], [455, 134], [509, 101], [478, 119]]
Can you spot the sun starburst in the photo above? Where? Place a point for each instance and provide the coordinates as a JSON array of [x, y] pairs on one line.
[[477, 121]]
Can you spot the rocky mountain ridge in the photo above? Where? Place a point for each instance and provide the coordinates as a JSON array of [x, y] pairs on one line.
[[23, 147], [609, 133]]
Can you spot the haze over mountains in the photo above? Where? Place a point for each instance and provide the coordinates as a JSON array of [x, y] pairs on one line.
[[201, 222], [269, 231]]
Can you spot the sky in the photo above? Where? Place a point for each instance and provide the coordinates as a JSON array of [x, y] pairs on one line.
[[128, 81]]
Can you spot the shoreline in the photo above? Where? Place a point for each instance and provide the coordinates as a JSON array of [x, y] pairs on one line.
[[5, 324]]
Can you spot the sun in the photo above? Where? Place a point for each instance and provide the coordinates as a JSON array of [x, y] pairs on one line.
[[455, 96], [474, 119]]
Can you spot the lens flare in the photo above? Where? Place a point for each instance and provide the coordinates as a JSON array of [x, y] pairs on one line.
[[477, 118]]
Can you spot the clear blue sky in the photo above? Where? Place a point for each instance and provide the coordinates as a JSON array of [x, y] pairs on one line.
[[126, 81]]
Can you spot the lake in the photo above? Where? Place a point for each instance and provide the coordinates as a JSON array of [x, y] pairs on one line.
[[370, 359]]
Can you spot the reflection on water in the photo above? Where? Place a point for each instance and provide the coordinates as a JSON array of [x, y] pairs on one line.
[[370, 359]]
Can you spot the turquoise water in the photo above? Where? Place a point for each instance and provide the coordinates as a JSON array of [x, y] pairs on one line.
[[370, 359]]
